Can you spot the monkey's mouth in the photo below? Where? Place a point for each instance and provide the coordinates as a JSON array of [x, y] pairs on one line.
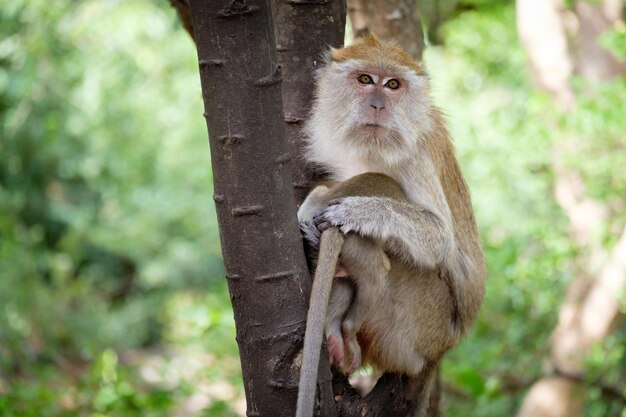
[[372, 128]]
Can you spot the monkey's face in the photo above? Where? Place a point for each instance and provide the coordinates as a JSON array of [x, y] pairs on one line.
[[372, 104], [376, 92], [378, 107]]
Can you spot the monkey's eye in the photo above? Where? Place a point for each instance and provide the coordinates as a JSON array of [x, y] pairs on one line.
[[393, 84], [365, 79]]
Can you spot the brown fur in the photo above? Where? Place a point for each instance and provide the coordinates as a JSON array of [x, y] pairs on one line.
[[369, 49]]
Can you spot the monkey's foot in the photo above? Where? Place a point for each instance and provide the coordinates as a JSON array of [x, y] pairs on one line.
[[353, 351], [335, 350], [341, 272]]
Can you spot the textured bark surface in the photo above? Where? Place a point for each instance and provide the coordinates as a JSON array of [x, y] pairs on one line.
[[304, 32], [261, 243], [389, 19], [393, 396]]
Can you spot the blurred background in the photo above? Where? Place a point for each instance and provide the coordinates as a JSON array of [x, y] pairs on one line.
[[112, 297]]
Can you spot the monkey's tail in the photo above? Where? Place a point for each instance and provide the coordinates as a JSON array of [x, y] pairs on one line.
[[331, 242]]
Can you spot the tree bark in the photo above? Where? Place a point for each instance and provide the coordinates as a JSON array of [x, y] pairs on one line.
[[261, 243], [389, 19], [305, 29], [304, 32]]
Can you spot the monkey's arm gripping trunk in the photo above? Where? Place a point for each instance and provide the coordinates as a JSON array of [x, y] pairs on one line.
[[330, 243]]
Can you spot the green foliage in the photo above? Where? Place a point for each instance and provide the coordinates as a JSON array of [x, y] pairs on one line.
[[504, 134], [615, 40], [106, 214]]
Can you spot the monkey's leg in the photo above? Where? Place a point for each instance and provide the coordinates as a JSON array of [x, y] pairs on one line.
[[330, 245], [341, 298], [368, 266]]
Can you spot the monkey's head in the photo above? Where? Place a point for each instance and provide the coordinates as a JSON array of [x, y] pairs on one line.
[[371, 104]]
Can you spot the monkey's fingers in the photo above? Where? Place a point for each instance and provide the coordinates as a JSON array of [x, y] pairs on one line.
[[310, 233], [321, 223], [334, 216], [335, 201]]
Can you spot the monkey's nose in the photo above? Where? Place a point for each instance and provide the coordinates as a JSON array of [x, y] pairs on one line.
[[377, 107]]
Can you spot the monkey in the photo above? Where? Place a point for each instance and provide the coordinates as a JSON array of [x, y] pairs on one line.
[[372, 112], [335, 304]]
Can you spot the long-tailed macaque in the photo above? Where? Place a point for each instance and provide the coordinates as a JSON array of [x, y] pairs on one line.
[[335, 307], [372, 113]]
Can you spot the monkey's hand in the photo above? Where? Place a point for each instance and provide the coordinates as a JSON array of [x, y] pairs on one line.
[[311, 234], [347, 214]]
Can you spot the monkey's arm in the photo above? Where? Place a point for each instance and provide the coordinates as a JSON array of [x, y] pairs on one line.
[[416, 233], [421, 236]]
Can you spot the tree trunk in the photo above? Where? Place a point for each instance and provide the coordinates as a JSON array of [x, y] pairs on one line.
[[544, 38], [596, 17], [304, 32], [389, 19], [560, 43], [435, 13], [261, 243], [591, 306]]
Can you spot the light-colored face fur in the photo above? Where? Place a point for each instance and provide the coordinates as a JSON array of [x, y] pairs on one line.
[[370, 111]]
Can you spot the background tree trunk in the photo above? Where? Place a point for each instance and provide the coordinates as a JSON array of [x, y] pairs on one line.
[[561, 42], [184, 14], [389, 19], [591, 305], [544, 38], [435, 13], [261, 243], [594, 18]]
